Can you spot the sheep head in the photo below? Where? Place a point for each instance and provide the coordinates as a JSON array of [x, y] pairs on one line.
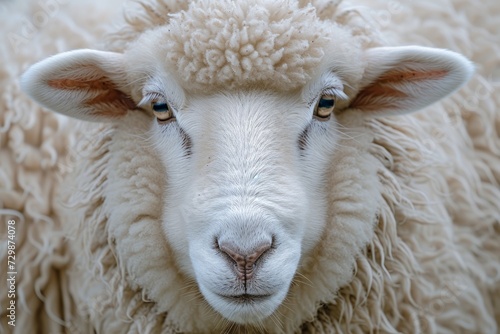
[[242, 118]]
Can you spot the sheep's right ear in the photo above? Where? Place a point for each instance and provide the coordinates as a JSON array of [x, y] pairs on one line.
[[85, 84]]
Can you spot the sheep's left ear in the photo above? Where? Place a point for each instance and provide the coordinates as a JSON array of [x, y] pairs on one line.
[[399, 80], [84, 84]]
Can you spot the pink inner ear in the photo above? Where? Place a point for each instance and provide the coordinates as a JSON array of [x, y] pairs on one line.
[[399, 75], [389, 88], [106, 100]]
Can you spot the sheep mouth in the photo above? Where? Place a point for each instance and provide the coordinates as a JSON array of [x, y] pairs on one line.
[[245, 298]]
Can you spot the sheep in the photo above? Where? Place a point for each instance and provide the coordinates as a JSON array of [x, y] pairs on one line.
[[253, 171]]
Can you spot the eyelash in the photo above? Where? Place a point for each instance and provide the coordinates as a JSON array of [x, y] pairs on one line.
[[149, 97], [332, 91]]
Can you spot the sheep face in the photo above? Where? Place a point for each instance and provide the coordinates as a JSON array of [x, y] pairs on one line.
[[250, 199], [245, 194]]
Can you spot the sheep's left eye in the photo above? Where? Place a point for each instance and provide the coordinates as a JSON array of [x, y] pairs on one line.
[[162, 110], [324, 108]]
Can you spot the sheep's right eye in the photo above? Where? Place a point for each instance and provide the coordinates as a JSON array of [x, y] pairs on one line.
[[162, 110]]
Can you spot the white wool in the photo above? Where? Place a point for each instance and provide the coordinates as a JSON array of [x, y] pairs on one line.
[[409, 240], [227, 44], [230, 44]]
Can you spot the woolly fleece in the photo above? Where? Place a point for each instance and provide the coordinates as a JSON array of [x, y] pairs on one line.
[[432, 260]]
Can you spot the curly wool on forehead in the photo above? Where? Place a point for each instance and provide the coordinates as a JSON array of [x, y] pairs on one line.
[[230, 44]]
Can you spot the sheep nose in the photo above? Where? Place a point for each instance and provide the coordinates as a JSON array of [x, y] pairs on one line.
[[245, 263]]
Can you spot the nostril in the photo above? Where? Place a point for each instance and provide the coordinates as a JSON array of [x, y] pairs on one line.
[[245, 261], [233, 253], [257, 253]]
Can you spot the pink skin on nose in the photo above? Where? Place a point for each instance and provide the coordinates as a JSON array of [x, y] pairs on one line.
[[245, 263]]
